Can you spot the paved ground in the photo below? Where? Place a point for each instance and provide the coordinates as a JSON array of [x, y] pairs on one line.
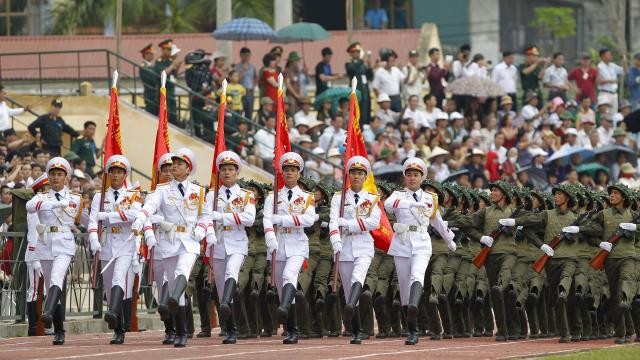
[[147, 345]]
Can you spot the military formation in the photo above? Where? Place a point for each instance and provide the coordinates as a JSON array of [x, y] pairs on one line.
[[563, 264]]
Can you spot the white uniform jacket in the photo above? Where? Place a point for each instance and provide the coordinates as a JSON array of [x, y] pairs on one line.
[[411, 234], [362, 218], [54, 231], [297, 214], [239, 211]]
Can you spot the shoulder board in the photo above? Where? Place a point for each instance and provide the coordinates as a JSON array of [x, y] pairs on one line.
[[247, 191], [163, 184], [133, 190], [194, 182], [337, 193], [431, 193], [306, 192], [373, 194], [76, 194]]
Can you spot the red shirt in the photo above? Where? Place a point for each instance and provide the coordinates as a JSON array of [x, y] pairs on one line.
[[586, 81], [269, 90]]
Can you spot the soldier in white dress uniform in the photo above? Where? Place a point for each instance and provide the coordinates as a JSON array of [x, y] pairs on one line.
[[236, 210], [414, 209], [57, 211], [349, 235], [284, 234], [32, 257], [116, 242], [183, 205]]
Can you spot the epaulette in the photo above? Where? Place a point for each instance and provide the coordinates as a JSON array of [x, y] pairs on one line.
[[248, 191], [195, 182], [306, 192], [163, 184], [76, 194], [373, 194]]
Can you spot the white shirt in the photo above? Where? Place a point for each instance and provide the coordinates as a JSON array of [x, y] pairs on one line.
[[605, 136], [388, 81], [583, 140], [332, 138], [506, 76], [555, 76], [412, 74], [441, 172], [609, 71], [266, 142], [432, 116], [457, 67], [5, 115], [419, 117], [301, 118], [502, 152], [474, 69]]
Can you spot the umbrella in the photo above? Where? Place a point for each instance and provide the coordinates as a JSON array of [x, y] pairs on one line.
[[565, 154], [475, 86], [391, 173], [334, 94], [633, 121], [244, 29], [612, 152], [301, 32], [454, 175], [592, 168]]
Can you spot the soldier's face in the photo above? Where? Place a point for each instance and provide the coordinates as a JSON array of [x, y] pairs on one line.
[[57, 178], [413, 179], [290, 174], [180, 169], [318, 196], [357, 178], [116, 177], [560, 198], [165, 174], [228, 174], [615, 198], [496, 195]]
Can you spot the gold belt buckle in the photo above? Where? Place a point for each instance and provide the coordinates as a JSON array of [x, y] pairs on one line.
[[116, 229], [53, 229], [413, 228], [227, 228], [285, 230], [181, 228]]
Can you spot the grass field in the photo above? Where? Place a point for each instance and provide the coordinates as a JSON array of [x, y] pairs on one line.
[[613, 352]]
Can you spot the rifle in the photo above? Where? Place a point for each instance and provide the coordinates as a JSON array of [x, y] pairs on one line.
[[598, 261], [39, 299], [542, 260], [483, 254]]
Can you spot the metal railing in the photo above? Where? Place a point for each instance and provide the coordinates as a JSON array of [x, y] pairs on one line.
[[98, 65]]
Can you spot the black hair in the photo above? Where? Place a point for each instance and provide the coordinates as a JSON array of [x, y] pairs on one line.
[[89, 123], [557, 54], [326, 51], [245, 50], [507, 53], [603, 51], [267, 58], [433, 50]]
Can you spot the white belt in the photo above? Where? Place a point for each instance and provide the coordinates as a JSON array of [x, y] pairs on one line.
[[57, 229], [290, 230], [113, 229], [231, 228]]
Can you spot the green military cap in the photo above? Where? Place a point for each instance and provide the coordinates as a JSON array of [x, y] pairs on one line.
[[524, 194], [386, 186], [503, 186], [326, 189], [454, 192], [483, 195], [568, 191], [549, 200], [541, 198], [256, 184], [307, 183], [430, 185], [626, 192]]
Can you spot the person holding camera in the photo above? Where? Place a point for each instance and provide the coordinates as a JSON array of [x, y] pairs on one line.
[[199, 80]]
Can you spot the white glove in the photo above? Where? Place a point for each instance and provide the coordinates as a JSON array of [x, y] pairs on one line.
[[95, 244], [605, 245], [337, 247], [571, 229], [452, 246], [37, 267], [137, 225], [400, 227], [628, 226], [507, 222], [102, 215], [151, 241], [316, 218], [216, 216], [199, 233], [272, 245], [419, 205], [64, 203], [343, 222], [324, 224], [135, 264], [211, 239], [156, 219], [487, 240], [166, 226], [547, 250], [276, 219]]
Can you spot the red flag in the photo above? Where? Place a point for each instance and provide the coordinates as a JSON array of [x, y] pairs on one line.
[[162, 137], [283, 145], [220, 145], [113, 143], [355, 147]]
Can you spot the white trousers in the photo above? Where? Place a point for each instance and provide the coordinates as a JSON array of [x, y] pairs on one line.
[[176, 266], [287, 272], [159, 276], [116, 275], [410, 270], [613, 100], [55, 270], [227, 268], [32, 287], [352, 272]]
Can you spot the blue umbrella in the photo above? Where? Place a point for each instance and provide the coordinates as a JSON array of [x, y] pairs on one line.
[[612, 153], [244, 29], [565, 154]]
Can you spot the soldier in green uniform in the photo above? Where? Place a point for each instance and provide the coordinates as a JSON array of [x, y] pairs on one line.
[[168, 62], [635, 306], [149, 80], [619, 266], [359, 66]]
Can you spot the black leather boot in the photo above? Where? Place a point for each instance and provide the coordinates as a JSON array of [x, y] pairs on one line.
[[179, 285], [115, 305], [232, 331], [169, 332], [356, 291], [288, 293], [181, 327], [127, 314], [227, 295], [32, 318], [53, 296], [415, 294], [163, 308], [292, 326], [356, 325], [381, 316], [412, 324], [118, 334], [58, 324], [204, 296]]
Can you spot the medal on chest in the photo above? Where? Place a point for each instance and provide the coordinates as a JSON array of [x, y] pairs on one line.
[[298, 205], [235, 205]]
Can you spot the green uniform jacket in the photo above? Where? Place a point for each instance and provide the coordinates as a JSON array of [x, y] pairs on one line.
[[485, 221], [552, 221], [605, 224], [257, 245]]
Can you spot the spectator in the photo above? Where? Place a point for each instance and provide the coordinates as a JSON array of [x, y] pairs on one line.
[[243, 143], [376, 18], [318, 170], [370, 130], [476, 67], [218, 72], [326, 110], [414, 76], [505, 74], [509, 131], [86, 148], [602, 108], [605, 131], [293, 76], [384, 111], [266, 108], [584, 78], [585, 110], [584, 134], [506, 106], [431, 109], [248, 78], [51, 127], [236, 91], [41, 157], [324, 75], [359, 66], [633, 79], [412, 112], [406, 150], [6, 113], [269, 77], [387, 79], [531, 111], [497, 146], [608, 73], [441, 133], [333, 136], [627, 176], [438, 159], [531, 71], [36, 170], [304, 116], [384, 160], [556, 78], [15, 143], [437, 76], [476, 166], [461, 61], [265, 140], [5, 195], [456, 129]]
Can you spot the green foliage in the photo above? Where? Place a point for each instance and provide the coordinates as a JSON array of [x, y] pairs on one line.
[[617, 352], [559, 21]]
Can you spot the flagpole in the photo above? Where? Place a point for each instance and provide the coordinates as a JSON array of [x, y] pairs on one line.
[[272, 280]]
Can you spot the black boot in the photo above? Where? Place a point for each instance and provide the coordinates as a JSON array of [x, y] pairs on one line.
[[356, 325], [181, 327], [227, 295], [53, 296], [292, 325], [414, 300], [445, 315], [356, 291], [381, 316], [58, 324], [204, 295], [127, 314], [288, 293], [169, 332], [115, 305], [32, 318], [118, 335], [163, 308], [412, 322], [179, 285], [232, 331]]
